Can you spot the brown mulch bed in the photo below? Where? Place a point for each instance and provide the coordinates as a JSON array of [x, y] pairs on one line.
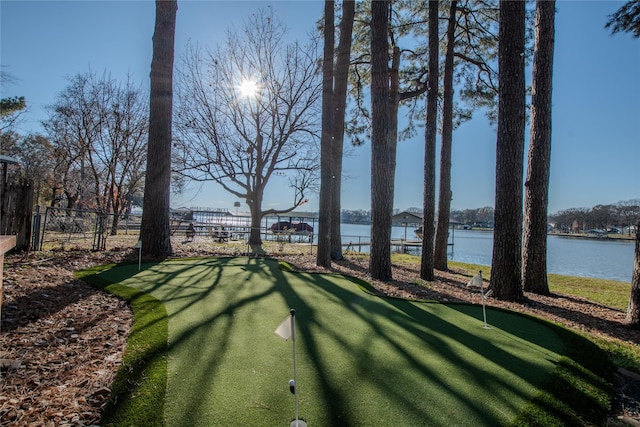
[[61, 341]]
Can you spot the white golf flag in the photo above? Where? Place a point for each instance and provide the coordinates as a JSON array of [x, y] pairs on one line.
[[284, 330], [476, 281]]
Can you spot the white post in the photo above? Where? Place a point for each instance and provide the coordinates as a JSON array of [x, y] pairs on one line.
[[139, 246], [286, 330], [484, 310], [297, 422], [295, 367]]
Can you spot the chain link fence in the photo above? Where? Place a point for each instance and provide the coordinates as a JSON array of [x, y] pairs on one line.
[[64, 228]]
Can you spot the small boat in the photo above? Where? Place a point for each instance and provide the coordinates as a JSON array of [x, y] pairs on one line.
[[418, 232], [303, 228], [281, 227], [291, 228]]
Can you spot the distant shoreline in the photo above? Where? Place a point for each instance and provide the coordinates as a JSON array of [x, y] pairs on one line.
[[610, 236]]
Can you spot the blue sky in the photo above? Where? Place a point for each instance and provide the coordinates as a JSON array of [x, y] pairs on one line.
[[596, 98]]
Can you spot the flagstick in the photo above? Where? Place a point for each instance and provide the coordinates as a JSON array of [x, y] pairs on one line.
[[295, 367], [295, 423], [484, 310]]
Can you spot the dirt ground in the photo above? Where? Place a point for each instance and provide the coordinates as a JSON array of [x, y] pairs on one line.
[[61, 341]]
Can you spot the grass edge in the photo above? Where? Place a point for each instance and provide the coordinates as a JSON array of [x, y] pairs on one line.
[[149, 359], [138, 391]]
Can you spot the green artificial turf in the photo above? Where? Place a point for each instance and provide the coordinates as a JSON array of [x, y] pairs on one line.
[[610, 293], [362, 359], [138, 392]]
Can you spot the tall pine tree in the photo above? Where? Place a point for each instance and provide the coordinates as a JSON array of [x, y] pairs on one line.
[[444, 194], [534, 247], [323, 256], [506, 264], [155, 232], [430, 134], [381, 188]]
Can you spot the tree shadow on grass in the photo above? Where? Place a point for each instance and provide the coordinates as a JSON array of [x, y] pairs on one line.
[[138, 391], [320, 302], [410, 318], [579, 312], [186, 288], [579, 390]]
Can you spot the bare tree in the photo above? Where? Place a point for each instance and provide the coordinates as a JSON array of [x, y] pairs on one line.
[[68, 184], [73, 125], [155, 231], [506, 264], [534, 246], [249, 112], [120, 150], [98, 130]]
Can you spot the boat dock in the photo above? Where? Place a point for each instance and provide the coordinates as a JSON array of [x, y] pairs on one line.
[[397, 245]]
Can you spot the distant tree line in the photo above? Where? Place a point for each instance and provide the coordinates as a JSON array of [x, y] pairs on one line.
[[619, 215], [478, 216], [359, 216]]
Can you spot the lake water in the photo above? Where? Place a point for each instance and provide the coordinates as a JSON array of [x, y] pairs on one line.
[[604, 259]]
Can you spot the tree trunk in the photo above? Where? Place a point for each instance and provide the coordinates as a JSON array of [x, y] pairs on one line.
[[341, 76], [633, 312], [115, 221], [155, 230], [431, 130], [534, 254], [255, 208], [71, 200], [323, 257], [381, 206], [394, 105], [444, 198], [507, 236]]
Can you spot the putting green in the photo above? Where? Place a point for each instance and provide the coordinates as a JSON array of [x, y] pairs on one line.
[[362, 359]]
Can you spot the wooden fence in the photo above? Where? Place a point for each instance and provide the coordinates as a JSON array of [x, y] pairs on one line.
[[16, 210]]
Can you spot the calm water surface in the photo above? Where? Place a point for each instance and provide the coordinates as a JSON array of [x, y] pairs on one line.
[[604, 259]]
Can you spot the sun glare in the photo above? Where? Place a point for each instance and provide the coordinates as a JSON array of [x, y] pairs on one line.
[[248, 88]]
